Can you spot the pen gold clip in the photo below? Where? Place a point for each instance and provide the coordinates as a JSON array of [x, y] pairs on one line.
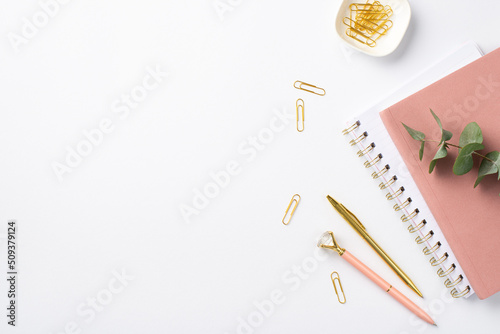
[[355, 219]]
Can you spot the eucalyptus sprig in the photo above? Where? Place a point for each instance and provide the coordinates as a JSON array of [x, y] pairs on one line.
[[471, 141]]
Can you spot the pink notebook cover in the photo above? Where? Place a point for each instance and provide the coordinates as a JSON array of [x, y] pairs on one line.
[[468, 217]]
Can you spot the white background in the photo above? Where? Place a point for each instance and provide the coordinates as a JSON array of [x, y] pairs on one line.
[[119, 209]]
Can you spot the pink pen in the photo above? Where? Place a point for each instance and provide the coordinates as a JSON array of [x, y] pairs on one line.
[[328, 241]]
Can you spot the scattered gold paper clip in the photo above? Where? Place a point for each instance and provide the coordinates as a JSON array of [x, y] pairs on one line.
[[295, 202], [299, 107], [309, 88], [337, 278]]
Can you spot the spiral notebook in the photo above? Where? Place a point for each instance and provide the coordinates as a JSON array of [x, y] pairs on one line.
[[457, 226]]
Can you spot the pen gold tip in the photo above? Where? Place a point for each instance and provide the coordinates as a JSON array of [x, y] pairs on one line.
[[435, 324], [413, 287], [332, 201]]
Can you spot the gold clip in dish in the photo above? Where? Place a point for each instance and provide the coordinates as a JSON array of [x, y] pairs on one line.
[[299, 107], [335, 277], [360, 37], [294, 202], [309, 88], [376, 6], [368, 22]]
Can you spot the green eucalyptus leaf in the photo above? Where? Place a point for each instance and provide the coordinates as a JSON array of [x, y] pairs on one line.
[[445, 135], [421, 152], [478, 180], [437, 119], [471, 134], [464, 162], [417, 135], [440, 154], [487, 167]]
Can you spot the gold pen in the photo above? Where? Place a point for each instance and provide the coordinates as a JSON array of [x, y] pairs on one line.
[[356, 224]]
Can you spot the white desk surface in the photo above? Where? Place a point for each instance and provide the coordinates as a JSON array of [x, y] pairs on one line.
[[107, 250]]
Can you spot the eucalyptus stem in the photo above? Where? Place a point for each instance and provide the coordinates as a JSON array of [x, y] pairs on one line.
[[460, 147], [471, 141]]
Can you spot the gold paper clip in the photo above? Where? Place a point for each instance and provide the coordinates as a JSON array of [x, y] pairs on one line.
[[373, 27], [295, 202], [300, 85], [299, 107], [368, 22], [368, 26], [337, 278], [366, 6], [388, 10], [356, 34]]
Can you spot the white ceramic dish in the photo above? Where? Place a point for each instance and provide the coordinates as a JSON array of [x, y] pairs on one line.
[[387, 43]]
